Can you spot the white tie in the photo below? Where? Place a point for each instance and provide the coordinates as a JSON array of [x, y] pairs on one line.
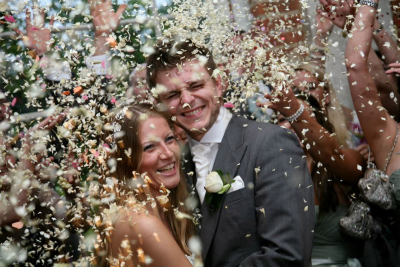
[[202, 157]]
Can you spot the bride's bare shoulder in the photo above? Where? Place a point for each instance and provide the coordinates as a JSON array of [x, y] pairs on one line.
[[143, 234], [136, 223]]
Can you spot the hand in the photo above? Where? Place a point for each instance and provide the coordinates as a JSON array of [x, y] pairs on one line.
[[324, 26], [46, 124], [395, 68], [363, 149], [283, 101], [37, 36], [104, 19], [72, 174], [336, 12]]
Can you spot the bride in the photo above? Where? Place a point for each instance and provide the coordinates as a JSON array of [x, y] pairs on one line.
[[144, 224]]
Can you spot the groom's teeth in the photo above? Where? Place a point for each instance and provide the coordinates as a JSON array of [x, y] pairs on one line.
[[194, 112], [167, 168]]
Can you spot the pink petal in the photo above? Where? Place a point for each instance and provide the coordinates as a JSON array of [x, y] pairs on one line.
[[95, 153], [9, 18], [85, 97], [14, 101], [18, 225], [229, 105], [103, 64], [113, 100]]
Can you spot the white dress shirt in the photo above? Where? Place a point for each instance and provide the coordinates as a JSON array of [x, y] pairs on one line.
[[205, 151]]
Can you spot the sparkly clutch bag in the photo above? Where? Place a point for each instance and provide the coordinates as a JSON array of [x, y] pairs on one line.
[[376, 188], [358, 223]]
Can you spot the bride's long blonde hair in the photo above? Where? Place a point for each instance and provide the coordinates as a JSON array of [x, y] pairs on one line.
[[334, 109], [122, 156]]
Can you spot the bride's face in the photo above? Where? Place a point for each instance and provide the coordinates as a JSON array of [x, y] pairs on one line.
[[161, 153]]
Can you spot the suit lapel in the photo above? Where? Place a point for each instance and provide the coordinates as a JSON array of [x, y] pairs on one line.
[[189, 170], [188, 166], [229, 154]]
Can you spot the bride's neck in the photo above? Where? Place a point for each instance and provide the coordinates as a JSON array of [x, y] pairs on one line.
[[158, 208]]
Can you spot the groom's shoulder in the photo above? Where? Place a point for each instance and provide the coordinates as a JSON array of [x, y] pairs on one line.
[[255, 130]]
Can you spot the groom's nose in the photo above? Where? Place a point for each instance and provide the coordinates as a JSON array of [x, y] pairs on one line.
[[186, 97]]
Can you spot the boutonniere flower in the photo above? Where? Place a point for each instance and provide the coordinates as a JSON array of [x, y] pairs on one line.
[[217, 184]]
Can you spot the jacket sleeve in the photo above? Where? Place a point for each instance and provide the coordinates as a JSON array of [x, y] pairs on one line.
[[284, 203]]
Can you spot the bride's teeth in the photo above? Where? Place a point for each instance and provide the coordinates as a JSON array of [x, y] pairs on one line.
[[167, 168]]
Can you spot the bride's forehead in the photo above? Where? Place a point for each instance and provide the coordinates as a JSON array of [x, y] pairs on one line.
[[154, 123]]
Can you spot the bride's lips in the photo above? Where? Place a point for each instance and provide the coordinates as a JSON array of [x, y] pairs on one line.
[[169, 169], [193, 112]]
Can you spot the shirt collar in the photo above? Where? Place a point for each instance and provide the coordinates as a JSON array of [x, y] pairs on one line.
[[217, 131]]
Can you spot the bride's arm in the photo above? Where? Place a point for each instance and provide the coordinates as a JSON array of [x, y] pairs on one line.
[[148, 238]]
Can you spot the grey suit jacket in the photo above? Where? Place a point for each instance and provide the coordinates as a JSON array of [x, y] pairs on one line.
[[270, 222]]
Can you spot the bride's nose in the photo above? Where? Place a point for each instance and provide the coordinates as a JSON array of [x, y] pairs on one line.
[[165, 152]]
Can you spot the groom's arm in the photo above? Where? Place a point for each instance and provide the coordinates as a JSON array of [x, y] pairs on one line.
[[284, 202]]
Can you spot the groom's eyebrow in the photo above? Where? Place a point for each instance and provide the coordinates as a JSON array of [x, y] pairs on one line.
[[173, 91], [191, 83]]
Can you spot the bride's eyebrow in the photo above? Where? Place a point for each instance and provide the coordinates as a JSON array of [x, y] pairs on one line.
[[147, 143]]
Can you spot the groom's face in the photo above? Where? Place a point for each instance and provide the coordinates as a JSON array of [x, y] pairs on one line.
[[191, 96]]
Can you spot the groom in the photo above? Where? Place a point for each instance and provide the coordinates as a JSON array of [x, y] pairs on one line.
[[267, 219]]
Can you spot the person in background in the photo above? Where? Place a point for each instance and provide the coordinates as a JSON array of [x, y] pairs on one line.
[[29, 204], [386, 84], [381, 134], [380, 129], [335, 170]]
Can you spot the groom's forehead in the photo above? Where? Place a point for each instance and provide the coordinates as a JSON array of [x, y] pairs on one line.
[[181, 76], [186, 67]]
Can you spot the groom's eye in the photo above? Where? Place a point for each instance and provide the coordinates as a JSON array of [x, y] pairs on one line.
[[172, 96], [197, 86], [170, 138]]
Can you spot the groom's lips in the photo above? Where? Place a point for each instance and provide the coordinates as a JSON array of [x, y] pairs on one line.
[[193, 112]]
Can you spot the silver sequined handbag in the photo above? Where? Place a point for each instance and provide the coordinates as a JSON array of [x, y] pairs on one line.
[[375, 187], [358, 223]]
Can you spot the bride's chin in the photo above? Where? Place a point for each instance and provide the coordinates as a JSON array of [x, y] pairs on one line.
[[172, 184]]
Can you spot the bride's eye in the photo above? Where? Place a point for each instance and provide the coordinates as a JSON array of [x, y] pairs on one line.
[[147, 147]]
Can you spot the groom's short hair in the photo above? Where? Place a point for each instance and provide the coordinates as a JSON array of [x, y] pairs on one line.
[[169, 55]]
